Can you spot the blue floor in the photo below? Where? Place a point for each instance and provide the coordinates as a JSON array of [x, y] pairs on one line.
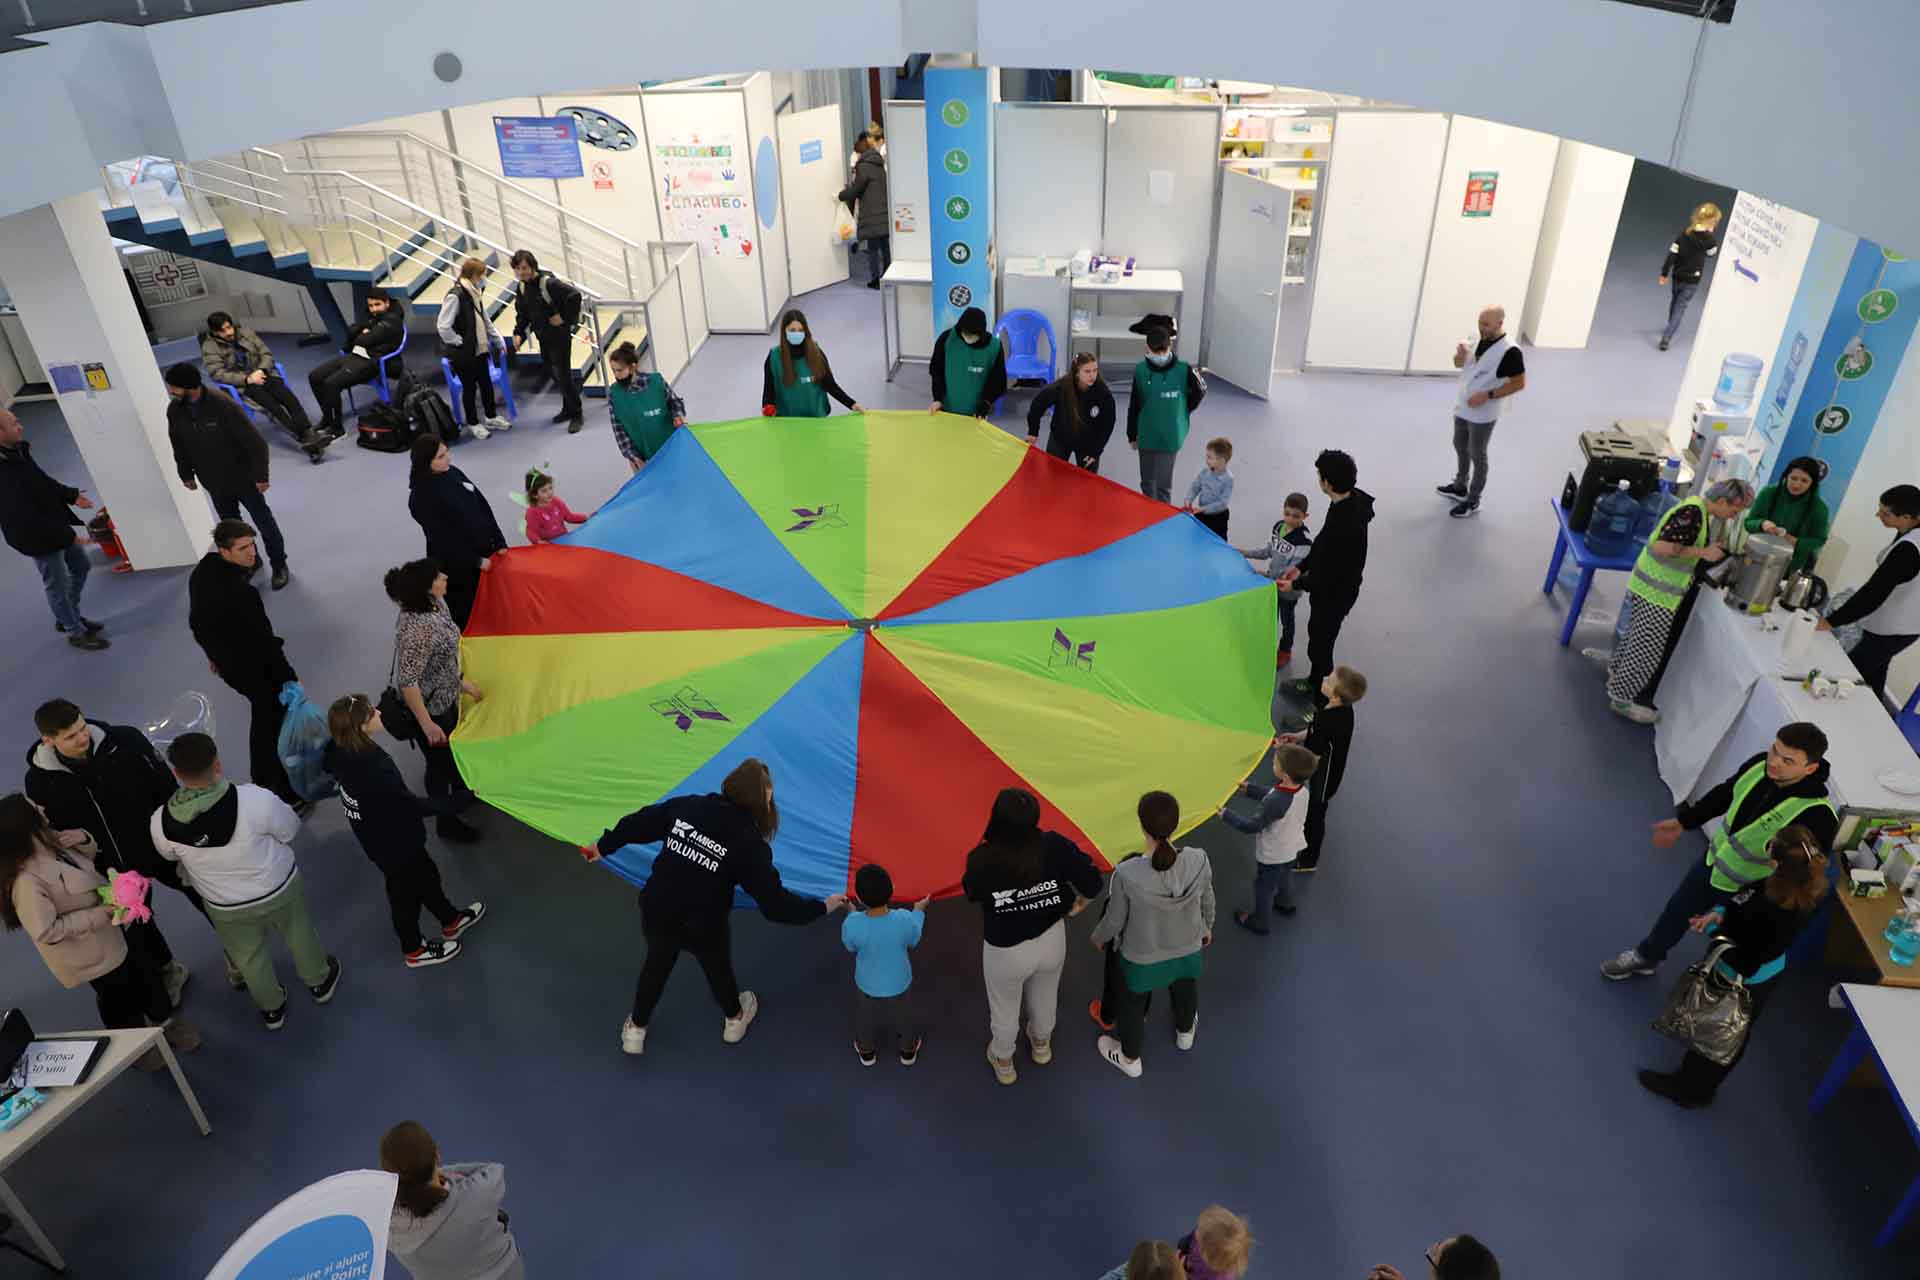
[[1427, 1048]]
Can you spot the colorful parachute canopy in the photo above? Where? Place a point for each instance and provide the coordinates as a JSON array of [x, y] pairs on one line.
[[901, 613]]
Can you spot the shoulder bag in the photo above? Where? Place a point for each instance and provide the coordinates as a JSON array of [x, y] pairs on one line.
[[395, 714], [1707, 1012]]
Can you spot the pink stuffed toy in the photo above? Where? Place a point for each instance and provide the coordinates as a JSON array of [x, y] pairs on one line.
[[126, 892]]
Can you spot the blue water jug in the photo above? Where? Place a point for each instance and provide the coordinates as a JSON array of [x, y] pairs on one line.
[[1653, 508], [1905, 947], [1614, 515]]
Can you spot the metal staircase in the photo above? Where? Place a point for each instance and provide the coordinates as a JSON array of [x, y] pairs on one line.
[[335, 212]]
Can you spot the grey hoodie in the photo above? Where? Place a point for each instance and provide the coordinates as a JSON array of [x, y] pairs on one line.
[[463, 1238], [1159, 915]]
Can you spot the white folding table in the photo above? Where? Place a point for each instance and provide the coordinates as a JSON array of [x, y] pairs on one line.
[[902, 273], [123, 1048], [1886, 1024]]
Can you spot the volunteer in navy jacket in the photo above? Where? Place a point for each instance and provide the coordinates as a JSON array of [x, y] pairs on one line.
[[462, 533], [709, 846]]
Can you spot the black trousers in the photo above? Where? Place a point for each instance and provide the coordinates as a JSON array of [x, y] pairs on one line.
[[463, 584], [263, 739], [1317, 800], [879, 257], [1214, 520], [706, 938], [280, 404], [1066, 449], [1185, 995], [556, 348], [1701, 1079], [1323, 630], [413, 882], [330, 379], [476, 378], [134, 995], [443, 774], [1874, 655]]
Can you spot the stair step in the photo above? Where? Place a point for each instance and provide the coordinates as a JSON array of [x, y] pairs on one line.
[[633, 331], [244, 236], [342, 253], [283, 244]]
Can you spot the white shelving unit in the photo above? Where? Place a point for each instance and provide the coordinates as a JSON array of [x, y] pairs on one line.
[[1293, 156], [1142, 284]]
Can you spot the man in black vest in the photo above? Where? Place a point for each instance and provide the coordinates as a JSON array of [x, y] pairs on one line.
[[550, 308]]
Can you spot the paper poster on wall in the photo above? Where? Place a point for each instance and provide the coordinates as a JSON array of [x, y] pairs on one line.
[[904, 219], [335, 1229], [1479, 198], [163, 279], [703, 192], [538, 146]]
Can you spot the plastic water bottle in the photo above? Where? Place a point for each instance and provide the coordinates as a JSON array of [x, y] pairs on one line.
[[1739, 380], [1653, 508], [1904, 948], [1895, 927], [1614, 515]]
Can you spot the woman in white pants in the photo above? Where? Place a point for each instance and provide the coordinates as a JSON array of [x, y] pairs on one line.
[[1027, 882]]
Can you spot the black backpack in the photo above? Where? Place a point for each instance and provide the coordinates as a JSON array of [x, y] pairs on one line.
[[429, 414], [384, 429]]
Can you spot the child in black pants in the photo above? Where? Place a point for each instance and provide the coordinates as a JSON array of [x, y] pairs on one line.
[[1330, 737], [1286, 547]]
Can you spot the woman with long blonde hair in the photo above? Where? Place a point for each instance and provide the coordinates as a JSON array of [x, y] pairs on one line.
[[1686, 262]]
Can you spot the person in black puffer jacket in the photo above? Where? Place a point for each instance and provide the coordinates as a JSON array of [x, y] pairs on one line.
[[386, 818], [866, 192], [37, 520], [462, 533]]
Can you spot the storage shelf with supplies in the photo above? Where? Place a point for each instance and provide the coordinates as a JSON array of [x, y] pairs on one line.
[[1143, 283]]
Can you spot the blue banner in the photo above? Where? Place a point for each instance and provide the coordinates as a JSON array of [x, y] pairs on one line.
[[1853, 368], [538, 146], [959, 191]]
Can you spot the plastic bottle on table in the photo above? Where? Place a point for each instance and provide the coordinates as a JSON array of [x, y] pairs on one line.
[[1611, 531], [1903, 949], [1653, 508]]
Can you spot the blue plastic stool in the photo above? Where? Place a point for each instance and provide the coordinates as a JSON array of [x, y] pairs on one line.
[[496, 370], [382, 373], [246, 406]]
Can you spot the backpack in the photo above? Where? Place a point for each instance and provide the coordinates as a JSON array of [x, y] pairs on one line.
[[429, 414], [384, 429]]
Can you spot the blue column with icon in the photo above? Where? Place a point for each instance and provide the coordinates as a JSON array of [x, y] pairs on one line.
[[959, 203]]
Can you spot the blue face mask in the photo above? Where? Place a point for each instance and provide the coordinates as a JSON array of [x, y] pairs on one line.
[[1159, 361], [796, 339]]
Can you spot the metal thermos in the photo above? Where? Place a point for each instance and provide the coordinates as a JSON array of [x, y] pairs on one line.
[[1803, 591], [1763, 564]]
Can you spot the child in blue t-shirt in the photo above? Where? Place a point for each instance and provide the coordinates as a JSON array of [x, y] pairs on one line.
[[880, 938]]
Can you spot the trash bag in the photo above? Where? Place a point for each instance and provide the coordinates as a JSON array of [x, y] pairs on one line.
[[1849, 634], [191, 712], [303, 740]]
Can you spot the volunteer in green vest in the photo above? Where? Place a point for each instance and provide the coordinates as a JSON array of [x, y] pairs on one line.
[[1785, 786], [1165, 391], [1661, 580], [1792, 508], [969, 367], [798, 379], [643, 407]]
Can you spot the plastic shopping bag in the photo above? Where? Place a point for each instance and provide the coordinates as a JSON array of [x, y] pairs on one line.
[[844, 231], [303, 740]]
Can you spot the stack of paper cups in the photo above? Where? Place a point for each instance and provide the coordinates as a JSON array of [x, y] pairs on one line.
[[1799, 638]]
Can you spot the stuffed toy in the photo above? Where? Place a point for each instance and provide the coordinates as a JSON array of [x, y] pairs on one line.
[[126, 892]]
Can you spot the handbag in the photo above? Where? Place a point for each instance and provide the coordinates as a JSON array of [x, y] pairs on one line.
[[395, 714], [1708, 1013]]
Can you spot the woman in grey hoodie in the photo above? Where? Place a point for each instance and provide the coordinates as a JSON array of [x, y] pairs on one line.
[[1160, 908], [447, 1219]]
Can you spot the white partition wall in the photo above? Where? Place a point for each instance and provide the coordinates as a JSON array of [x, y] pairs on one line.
[[1576, 240], [616, 190], [1162, 171], [906, 126], [1479, 256], [764, 160], [1049, 163], [1376, 218]]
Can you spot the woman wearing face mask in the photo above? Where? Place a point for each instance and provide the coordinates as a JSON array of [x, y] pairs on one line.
[[467, 336], [798, 379], [1793, 509], [969, 367], [1082, 408]]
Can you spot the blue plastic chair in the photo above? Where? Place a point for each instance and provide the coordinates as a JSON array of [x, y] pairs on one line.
[[386, 367], [1019, 335], [1909, 720], [246, 406], [496, 370]]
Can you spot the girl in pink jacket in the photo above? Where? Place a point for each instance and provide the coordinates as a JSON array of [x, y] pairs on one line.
[[547, 516]]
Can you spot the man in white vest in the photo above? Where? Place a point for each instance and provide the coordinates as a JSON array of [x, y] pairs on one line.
[[1887, 605], [1493, 372]]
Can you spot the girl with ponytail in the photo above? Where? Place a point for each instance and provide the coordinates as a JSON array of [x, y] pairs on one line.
[[1160, 913], [447, 1219]]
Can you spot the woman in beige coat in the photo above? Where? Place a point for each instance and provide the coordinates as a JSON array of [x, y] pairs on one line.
[[50, 888]]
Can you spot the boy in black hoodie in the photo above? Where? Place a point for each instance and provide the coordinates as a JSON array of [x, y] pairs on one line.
[[1335, 564], [1330, 737]]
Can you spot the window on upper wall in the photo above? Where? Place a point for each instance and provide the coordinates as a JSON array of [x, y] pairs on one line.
[[1712, 10]]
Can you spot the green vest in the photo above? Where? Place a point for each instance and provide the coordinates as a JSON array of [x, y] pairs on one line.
[[1163, 407], [1658, 580], [1739, 858], [805, 398], [967, 370], [642, 414]]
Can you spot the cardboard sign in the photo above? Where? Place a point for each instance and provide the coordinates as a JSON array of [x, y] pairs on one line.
[[1479, 199]]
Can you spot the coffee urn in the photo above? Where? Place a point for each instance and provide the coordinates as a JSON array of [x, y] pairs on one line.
[[1762, 565]]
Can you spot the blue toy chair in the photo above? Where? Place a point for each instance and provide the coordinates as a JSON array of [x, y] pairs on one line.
[[1019, 333], [246, 406], [386, 371]]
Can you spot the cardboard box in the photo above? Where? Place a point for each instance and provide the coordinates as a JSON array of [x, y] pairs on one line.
[[1868, 884]]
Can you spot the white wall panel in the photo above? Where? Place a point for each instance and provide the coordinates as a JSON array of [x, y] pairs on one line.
[[1183, 142], [763, 149], [1048, 161], [622, 199], [906, 126], [1576, 241], [735, 293]]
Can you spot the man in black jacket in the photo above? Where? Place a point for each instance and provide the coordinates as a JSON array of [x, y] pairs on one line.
[[107, 780], [216, 446], [231, 625], [550, 308], [1334, 566], [378, 335], [36, 519]]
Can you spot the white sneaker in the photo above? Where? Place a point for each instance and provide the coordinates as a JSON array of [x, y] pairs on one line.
[[1183, 1040], [734, 1030], [1596, 654], [496, 423], [1635, 712], [1110, 1050], [632, 1039], [479, 431]]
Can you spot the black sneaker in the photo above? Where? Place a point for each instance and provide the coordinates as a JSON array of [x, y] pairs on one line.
[[87, 625], [279, 578], [867, 1056], [324, 992], [1463, 509], [1302, 865], [91, 643], [1452, 489], [464, 921], [565, 415], [274, 1018], [1668, 1087], [1664, 344], [909, 1054], [573, 426], [433, 951]]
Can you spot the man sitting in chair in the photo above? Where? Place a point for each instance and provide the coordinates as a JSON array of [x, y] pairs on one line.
[[380, 334], [238, 358]]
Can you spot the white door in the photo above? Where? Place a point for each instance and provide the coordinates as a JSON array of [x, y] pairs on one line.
[[813, 172], [1248, 268]]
